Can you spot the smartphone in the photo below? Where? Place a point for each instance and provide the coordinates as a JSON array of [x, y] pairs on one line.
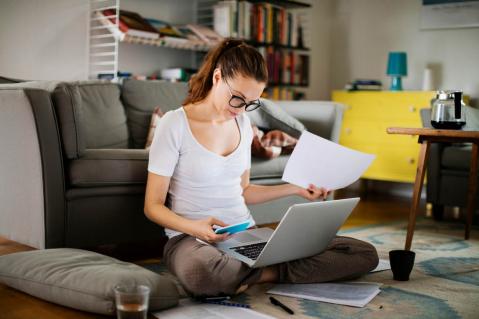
[[233, 229]]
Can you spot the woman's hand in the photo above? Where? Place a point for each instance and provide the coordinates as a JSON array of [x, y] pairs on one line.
[[203, 229], [313, 192]]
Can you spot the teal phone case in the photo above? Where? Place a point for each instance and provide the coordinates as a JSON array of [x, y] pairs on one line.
[[233, 229]]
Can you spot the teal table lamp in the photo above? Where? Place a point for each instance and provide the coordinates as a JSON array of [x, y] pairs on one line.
[[397, 67]]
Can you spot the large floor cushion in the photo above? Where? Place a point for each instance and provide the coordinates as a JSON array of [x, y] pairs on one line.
[[81, 279]]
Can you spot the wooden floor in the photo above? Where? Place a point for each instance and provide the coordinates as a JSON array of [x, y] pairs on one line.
[[376, 208]]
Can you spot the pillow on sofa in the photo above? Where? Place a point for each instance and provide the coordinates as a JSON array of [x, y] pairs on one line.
[[141, 97], [81, 279], [155, 118], [270, 116], [91, 116]]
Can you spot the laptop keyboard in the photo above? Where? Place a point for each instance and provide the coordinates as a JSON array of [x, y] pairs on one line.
[[251, 251]]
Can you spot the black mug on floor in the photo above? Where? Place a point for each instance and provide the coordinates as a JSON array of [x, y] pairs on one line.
[[402, 262]]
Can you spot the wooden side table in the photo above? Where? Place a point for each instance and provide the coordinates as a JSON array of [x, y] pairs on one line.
[[426, 136]]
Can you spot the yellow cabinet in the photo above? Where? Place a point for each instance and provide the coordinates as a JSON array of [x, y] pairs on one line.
[[366, 117]]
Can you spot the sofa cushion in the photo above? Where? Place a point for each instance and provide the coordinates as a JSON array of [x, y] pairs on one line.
[[90, 115], [109, 167], [142, 97], [271, 117], [268, 168], [81, 279]]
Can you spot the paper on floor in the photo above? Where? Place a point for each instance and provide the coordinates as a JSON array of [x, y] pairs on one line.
[[188, 309], [318, 161], [356, 294], [382, 265]]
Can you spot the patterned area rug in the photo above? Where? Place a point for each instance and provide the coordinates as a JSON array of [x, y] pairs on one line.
[[444, 282]]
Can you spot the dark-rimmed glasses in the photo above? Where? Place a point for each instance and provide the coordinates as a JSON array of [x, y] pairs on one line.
[[238, 102]]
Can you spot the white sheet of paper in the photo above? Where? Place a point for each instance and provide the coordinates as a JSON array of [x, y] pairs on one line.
[[188, 309], [382, 265], [318, 161], [355, 294]]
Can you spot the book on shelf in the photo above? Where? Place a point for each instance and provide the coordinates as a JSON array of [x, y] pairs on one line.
[[166, 30], [204, 33], [225, 18], [189, 34], [131, 23]]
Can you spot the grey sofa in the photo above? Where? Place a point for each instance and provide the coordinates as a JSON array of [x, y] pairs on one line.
[[82, 165], [448, 169]]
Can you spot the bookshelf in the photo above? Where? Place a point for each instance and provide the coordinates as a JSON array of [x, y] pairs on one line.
[[287, 78], [279, 30]]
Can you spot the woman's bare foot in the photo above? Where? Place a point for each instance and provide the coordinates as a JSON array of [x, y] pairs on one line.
[[241, 289], [269, 274]]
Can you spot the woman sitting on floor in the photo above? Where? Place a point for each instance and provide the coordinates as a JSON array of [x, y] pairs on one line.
[[200, 160]]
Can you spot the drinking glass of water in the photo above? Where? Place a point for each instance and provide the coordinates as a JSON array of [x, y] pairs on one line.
[[131, 301]]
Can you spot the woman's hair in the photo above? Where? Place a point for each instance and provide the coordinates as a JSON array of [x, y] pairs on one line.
[[233, 57]]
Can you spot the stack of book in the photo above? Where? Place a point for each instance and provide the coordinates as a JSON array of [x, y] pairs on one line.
[[132, 27], [286, 67], [258, 22], [364, 85]]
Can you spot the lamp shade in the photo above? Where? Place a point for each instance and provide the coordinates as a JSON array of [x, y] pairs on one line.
[[397, 64]]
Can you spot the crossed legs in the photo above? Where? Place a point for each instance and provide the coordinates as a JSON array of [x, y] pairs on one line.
[[205, 271]]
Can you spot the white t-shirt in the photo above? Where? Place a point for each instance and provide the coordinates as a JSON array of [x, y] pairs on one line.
[[202, 182]]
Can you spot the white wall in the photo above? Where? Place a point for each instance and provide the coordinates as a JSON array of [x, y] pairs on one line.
[[320, 54], [43, 40], [47, 39], [363, 32]]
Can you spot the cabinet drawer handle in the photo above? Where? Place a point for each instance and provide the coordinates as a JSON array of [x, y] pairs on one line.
[[412, 108], [411, 160]]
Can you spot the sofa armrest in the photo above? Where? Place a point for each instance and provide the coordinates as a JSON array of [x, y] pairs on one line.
[[322, 118], [116, 154], [109, 167]]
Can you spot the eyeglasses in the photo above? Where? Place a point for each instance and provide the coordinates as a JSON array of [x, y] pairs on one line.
[[238, 102]]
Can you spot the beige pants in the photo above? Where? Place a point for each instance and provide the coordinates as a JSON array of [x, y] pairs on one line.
[[204, 270]]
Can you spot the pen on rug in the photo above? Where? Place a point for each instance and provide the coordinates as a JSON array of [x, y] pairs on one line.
[[221, 298], [226, 303], [276, 302]]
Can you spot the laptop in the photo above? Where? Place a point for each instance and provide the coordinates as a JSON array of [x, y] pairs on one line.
[[305, 230]]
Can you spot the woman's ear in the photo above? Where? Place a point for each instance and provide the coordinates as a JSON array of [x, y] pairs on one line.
[[216, 76]]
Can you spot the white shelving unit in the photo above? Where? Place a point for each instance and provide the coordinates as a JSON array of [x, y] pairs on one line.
[[105, 36], [103, 44]]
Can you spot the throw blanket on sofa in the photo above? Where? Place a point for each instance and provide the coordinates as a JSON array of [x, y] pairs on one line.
[[272, 143]]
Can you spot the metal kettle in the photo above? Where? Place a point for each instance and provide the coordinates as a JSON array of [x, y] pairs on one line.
[[448, 111]]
